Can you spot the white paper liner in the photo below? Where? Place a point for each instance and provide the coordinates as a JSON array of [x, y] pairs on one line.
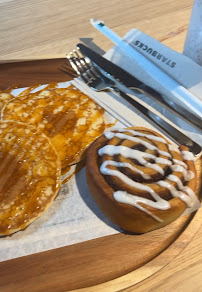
[[73, 217], [130, 59]]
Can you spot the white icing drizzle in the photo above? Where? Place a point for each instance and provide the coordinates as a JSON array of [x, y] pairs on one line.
[[188, 174], [174, 192], [191, 194], [124, 164], [172, 147], [110, 135], [162, 203], [135, 154], [176, 179], [189, 199], [187, 155], [184, 193], [124, 197], [136, 133], [176, 161]]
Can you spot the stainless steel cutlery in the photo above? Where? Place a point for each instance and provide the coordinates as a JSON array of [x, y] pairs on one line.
[[99, 81]]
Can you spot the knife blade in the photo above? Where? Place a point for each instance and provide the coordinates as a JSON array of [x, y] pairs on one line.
[[172, 132], [133, 83], [167, 128]]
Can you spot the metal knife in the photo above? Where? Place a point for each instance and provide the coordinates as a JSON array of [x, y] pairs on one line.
[[133, 83], [172, 132]]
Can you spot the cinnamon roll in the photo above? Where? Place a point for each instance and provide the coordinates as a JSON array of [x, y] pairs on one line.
[[140, 181]]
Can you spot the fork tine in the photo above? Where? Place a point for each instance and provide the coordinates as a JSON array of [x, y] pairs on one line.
[[73, 63], [85, 64], [76, 65], [82, 65], [85, 60]]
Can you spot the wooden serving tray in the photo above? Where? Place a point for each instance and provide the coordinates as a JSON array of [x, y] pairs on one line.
[[92, 265]]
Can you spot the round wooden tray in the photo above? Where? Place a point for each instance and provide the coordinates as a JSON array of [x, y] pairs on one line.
[[159, 262], [120, 259], [109, 263]]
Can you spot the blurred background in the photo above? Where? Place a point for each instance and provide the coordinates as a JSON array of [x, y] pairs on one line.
[[50, 28]]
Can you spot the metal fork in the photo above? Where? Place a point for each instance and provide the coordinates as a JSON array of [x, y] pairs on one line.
[[140, 90], [90, 74], [98, 81]]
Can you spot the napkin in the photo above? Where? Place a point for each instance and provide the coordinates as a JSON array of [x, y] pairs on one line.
[[182, 69], [124, 112]]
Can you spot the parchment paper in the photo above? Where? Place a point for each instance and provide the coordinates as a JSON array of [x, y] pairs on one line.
[[74, 217]]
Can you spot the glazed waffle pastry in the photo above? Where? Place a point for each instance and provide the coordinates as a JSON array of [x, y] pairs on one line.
[[29, 175], [67, 116], [4, 98]]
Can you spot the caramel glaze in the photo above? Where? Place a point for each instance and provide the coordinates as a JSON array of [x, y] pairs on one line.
[[5, 96], [70, 118], [29, 175], [79, 166]]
